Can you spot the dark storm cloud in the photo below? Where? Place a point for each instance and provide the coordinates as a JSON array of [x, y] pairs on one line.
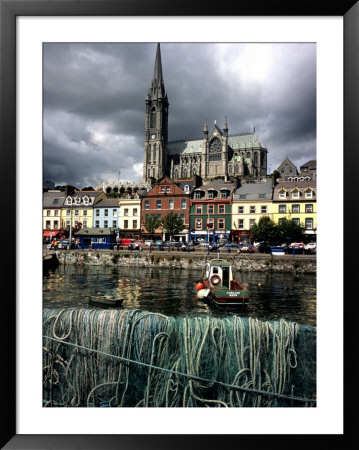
[[94, 102]]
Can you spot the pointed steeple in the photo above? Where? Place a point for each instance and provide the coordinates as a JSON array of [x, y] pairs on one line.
[[158, 87], [157, 74]]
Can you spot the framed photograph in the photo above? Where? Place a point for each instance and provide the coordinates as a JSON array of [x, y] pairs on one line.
[[43, 133]]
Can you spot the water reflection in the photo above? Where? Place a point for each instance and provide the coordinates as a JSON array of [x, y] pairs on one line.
[[171, 291]]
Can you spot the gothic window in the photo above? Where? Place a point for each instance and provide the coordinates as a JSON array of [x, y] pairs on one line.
[[215, 146], [255, 158], [153, 118], [262, 159], [248, 155], [154, 153], [175, 174]]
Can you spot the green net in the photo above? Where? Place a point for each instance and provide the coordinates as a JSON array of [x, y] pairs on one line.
[[128, 358]]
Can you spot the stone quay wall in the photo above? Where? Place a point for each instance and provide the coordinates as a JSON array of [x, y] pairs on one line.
[[183, 260]]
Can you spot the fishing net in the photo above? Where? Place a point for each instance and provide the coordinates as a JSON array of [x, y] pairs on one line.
[[128, 358]]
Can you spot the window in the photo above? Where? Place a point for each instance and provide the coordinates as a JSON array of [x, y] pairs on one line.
[[97, 213], [135, 211], [251, 222], [158, 204], [282, 194], [309, 224], [56, 224], [69, 201], [125, 212], [84, 223], [106, 212], [114, 223], [183, 203], [68, 212], [198, 224], [264, 209], [221, 209], [281, 220], [224, 194], [170, 204], [85, 212], [86, 200], [159, 217], [134, 224], [296, 221], [97, 224], [220, 224], [56, 212], [114, 212], [240, 209], [67, 223], [210, 194], [240, 224], [48, 225], [197, 195], [252, 209], [210, 223], [198, 209], [162, 189], [295, 194], [210, 209], [308, 208], [308, 194], [105, 223], [282, 209], [147, 204], [168, 189], [295, 208], [183, 218], [48, 213], [125, 224], [76, 212]]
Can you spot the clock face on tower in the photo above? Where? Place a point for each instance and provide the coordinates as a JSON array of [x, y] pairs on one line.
[[153, 136], [215, 146]]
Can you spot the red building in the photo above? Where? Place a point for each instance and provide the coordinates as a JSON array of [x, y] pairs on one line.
[[167, 196]]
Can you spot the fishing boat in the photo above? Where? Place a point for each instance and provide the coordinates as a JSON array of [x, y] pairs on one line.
[[219, 286], [105, 299]]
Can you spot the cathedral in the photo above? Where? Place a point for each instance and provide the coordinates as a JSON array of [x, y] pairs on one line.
[[217, 154]]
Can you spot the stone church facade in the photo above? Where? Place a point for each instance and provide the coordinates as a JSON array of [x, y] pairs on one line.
[[216, 154]]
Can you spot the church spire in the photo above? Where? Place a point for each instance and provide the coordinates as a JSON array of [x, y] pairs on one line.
[[157, 74], [158, 87]]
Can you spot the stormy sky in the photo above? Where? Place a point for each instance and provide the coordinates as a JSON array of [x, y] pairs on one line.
[[94, 102]]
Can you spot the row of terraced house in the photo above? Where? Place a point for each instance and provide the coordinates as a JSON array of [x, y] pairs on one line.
[[220, 209]]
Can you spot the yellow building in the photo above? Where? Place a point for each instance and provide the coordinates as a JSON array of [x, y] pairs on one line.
[[250, 201], [296, 200], [52, 202], [77, 209], [129, 217]]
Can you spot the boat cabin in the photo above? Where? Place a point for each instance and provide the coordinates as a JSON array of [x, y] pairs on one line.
[[219, 273]]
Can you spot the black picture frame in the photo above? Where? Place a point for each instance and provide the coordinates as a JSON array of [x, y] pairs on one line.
[[9, 10]]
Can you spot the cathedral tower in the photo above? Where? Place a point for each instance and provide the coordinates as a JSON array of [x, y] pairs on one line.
[[156, 125]]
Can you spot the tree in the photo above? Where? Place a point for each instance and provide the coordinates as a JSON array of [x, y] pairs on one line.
[[289, 231], [265, 230], [172, 224], [151, 223]]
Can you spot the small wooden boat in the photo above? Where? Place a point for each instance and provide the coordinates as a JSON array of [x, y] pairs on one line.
[[219, 286], [108, 300]]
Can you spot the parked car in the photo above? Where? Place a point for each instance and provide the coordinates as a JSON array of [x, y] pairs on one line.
[[310, 246], [205, 246], [246, 248], [230, 246], [264, 247], [63, 244]]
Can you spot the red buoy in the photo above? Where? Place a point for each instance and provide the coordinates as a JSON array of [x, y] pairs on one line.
[[199, 286]]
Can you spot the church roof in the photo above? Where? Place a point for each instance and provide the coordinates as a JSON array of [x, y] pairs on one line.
[[236, 142]]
